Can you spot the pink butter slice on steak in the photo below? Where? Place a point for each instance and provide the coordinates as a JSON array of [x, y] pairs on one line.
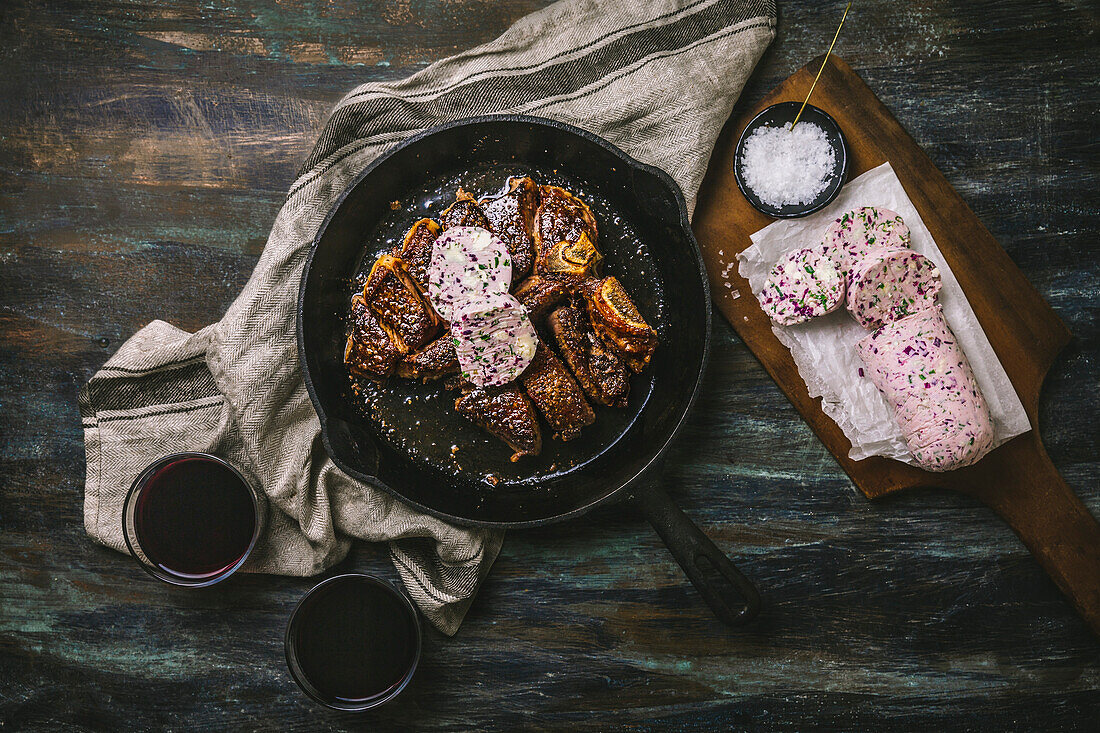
[[467, 264], [494, 339]]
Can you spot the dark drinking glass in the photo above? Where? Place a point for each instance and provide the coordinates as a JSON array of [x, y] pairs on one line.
[[191, 519], [353, 642]]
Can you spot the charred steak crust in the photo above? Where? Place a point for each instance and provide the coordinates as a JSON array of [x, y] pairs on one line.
[[539, 295], [617, 322], [601, 374], [464, 212], [511, 217], [369, 351], [561, 217], [504, 412], [436, 360], [397, 303], [416, 249], [556, 394]]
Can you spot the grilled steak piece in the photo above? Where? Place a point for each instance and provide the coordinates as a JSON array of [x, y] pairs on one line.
[[569, 261], [416, 250], [556, 394], [394, 298], [464, 212], [540, 295], [504, 412], [561, 217], [617, 322], [436, 360], [369, 352], [512, 218], [601, 374]]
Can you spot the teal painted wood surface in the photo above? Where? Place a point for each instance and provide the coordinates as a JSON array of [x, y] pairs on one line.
[[145, 148]]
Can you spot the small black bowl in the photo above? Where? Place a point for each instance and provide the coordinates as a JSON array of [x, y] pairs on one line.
[[776, 116]]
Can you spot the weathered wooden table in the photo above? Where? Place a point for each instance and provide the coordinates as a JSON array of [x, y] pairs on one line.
[[145, 149]]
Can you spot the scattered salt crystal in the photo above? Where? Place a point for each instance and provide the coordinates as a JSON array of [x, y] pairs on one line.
[[786, 166]]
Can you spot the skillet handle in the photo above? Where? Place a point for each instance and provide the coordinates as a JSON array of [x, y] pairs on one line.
[[732, 596]]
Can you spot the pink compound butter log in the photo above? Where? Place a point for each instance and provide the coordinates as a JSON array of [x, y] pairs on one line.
[[891, 283], [922, 371]]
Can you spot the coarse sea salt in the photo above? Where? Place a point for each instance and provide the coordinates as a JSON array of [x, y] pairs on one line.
[[785, 166]]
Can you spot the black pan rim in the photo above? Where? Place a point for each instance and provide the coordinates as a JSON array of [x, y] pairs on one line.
[[685, 222]]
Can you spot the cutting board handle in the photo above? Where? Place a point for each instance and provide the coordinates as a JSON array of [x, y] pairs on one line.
[[1025, 489]]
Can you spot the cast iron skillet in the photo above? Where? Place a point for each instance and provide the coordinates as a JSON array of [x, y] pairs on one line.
[[395, 443]]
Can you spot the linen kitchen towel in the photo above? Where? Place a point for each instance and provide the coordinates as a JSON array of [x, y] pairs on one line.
[[658, 78]]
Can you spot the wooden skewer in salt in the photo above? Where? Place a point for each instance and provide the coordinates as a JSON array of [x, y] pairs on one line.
[[825, 61]]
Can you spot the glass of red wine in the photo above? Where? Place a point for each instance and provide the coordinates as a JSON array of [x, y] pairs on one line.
[[191, 519], [353, 642]]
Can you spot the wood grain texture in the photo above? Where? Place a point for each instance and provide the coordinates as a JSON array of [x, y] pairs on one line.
[[1017, 481], [145, 149]]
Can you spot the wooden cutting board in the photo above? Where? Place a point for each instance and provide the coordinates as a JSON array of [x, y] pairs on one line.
[[1017, 480]]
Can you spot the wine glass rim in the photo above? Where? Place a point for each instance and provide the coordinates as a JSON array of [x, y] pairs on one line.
[[140, 482], [291, 651]]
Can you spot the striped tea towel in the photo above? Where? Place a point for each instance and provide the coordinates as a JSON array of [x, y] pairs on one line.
[[656, 77]]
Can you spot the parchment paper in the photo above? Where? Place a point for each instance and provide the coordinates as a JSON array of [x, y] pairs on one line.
[[824, 348]]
